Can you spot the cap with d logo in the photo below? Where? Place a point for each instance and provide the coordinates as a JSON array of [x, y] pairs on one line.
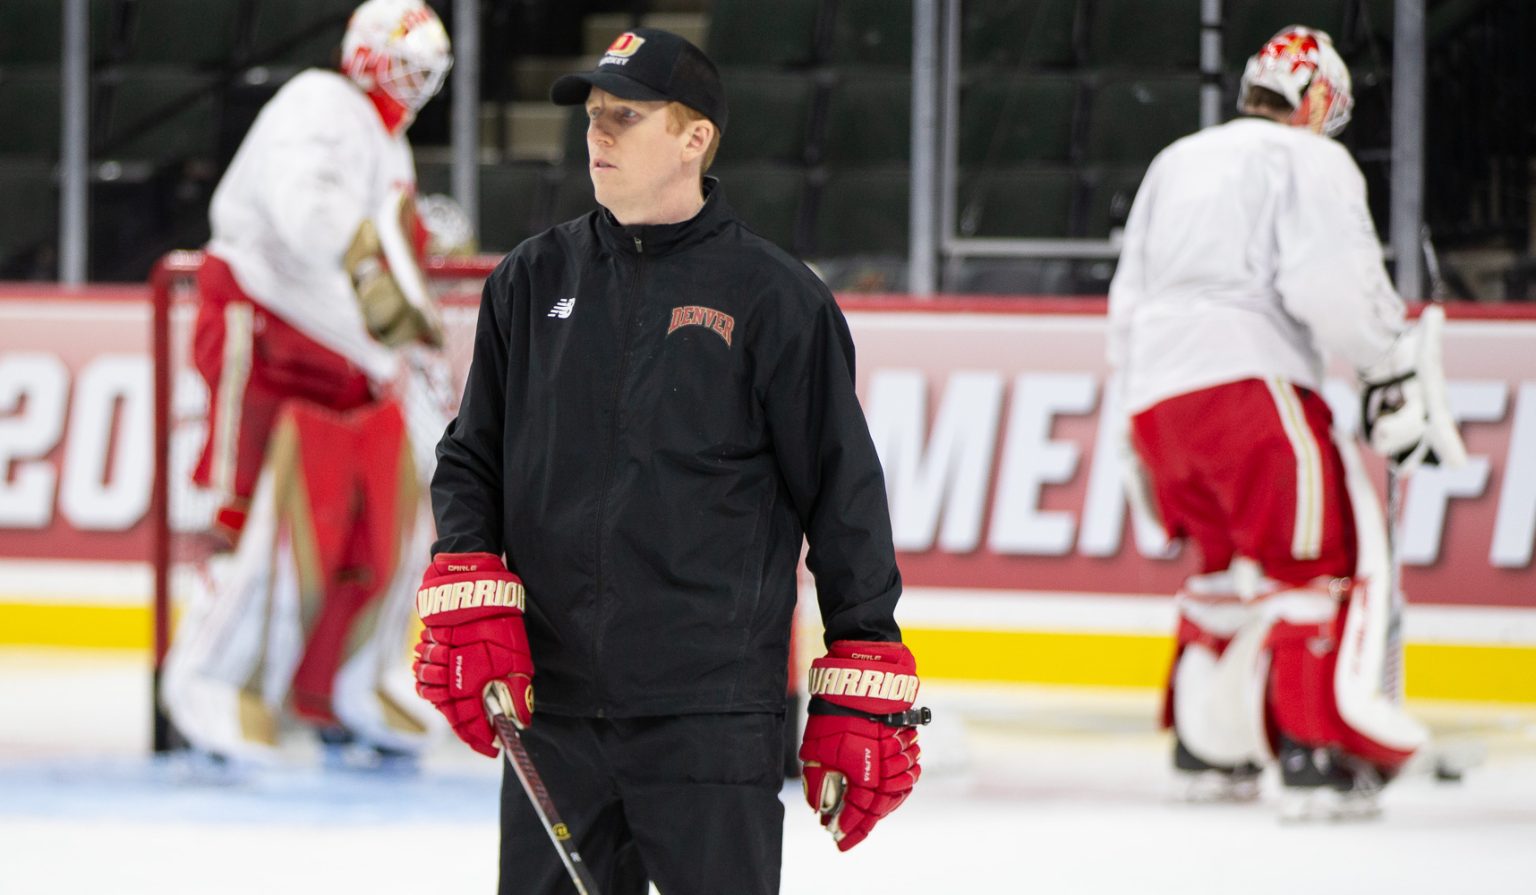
[[648, 64]]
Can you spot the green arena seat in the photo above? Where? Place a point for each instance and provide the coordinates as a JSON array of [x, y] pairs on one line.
[[299, 32], [571, 195], [513, 199], [1109, 191], [434, 177], [1141, 35], [1006, 120], [1376, 18], [869, 119], [573, 146], [159, 113], [512, 204], [183, 32], [1015, 202], [1132, 118], [32, 32], [768, 197], [1249, 23], [862, 211], [1008, 34], [32, 205], [872, 32], [770, 115], [29, 108], [763, 32]]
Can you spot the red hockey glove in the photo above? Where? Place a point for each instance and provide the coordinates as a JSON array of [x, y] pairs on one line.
[[860, 747], [473, 611]]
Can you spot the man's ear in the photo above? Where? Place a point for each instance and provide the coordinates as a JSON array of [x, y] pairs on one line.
[[700, 133]]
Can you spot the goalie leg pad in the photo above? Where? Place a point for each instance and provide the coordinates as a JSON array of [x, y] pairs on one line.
[[347, 488], [1377, 728], [1211, 609], [218, 672], [1215, 701], [1368, 677], [1223, 679], [375, 692], [1321, 692]]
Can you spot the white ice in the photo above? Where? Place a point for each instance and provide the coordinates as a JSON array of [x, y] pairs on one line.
[[1026, 791]]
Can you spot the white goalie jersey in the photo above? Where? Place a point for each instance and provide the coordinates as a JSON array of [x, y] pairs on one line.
[[317, 162], [1201, 296]]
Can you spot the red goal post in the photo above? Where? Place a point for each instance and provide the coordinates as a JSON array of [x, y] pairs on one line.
[[180, 515]]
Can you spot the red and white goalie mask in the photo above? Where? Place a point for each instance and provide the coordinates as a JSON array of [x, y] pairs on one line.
[[398, 52], [1301, 65]]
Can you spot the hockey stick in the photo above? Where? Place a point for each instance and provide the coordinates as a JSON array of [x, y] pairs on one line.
[[1433, 757], [498, 706], [1393, 683], [1446, 764], [1392, 678], [1432, 373]]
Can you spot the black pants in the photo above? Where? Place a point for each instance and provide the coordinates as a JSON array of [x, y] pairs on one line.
[[689, 802]]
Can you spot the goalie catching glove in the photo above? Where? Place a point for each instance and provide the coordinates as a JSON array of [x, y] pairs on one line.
[[473, 611], [388, 311], [860, 747], [1405, 411]]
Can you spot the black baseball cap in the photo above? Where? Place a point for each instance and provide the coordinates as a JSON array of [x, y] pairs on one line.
[[652, 65]]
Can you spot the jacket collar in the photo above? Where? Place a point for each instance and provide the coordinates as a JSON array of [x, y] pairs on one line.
[[663, 239]]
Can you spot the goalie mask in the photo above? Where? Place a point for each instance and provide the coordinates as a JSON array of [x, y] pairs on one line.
[[397, 51], [1301, 65]]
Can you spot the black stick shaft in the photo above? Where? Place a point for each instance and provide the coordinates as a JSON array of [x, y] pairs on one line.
[[1392, 677], [522, 765]]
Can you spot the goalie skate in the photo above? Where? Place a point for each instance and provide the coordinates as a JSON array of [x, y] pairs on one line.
[[1322, 784], [1199, 782]]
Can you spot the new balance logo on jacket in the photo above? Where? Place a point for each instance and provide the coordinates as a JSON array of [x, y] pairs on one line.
[[563, 308]]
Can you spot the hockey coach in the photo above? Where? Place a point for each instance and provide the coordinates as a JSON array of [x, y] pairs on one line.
[[659, 409]]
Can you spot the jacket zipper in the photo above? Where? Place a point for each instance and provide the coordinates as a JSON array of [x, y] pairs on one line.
[[602, 505]]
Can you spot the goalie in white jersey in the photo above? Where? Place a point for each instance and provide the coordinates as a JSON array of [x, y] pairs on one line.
[[1249, 251], [315, 335]]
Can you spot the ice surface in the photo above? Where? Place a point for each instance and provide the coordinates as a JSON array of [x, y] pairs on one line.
[[1027, 791]]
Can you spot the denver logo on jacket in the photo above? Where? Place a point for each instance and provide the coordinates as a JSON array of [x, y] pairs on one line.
[[721, 323]]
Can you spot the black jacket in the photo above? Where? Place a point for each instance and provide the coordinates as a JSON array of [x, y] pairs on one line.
[[654, 420]]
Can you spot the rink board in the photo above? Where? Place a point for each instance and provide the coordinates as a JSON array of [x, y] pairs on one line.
[[1448, 657], [1020, 559]]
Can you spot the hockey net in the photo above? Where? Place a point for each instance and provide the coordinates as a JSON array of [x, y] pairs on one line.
[[181, 514]]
